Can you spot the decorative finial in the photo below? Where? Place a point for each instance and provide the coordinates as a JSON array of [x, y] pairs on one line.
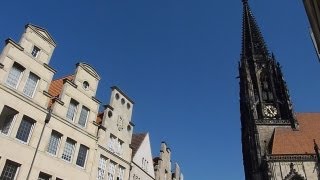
[[291, 167], [244, 1]]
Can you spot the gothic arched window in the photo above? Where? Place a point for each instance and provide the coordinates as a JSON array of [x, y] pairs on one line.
[[266, 89], [293, 174]]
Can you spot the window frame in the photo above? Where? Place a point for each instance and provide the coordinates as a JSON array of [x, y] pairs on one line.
[[38, 50], [102, 166], [87, 116], [17, 166], [44, 174], [35, 87], [13, 111], [111, 170], [74, 143], [26, 118], [85, 158], [19, 67], [75, 110], [58, 145], [121, 172]]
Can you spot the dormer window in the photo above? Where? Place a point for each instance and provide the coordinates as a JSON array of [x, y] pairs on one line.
[[35, 51]]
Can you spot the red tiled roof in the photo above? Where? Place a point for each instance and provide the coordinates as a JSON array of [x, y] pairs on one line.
[[56, 86], [136, 142], [288, 141], [99, 118]]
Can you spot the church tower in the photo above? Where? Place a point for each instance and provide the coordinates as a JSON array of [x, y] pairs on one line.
[[264, 99]]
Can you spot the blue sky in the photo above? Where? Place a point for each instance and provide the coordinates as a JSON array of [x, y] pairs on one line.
[[177, 59]]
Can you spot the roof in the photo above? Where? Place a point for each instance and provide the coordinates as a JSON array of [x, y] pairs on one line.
[[136, 142], [56, 86], [289, 141], [100, 117]]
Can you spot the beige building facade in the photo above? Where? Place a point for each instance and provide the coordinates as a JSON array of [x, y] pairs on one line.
[[52, 129], [142, 163], [163, 165]]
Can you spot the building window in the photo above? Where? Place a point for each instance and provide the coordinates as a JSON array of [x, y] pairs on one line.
[[83, 116], [72, 109], [102, 168], [44, 176], [112, 143], [35, 51], [68, 150], [54, 142], [145, 164], [10, 170], [6, 119], [111, 171], [31, 85], [115, 145], [14, 76], [85, 85], [119, 147], [25, 128], [82, 155], [121, 173]]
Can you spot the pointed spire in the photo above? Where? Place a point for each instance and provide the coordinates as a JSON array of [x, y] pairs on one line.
[[252, 40]]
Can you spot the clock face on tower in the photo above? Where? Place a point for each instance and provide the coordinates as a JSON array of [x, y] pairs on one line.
[[270, 111]]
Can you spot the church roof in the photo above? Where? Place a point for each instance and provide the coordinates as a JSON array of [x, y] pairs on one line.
[[287, 141]]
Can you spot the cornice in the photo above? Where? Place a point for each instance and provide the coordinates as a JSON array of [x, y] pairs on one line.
[[272, 122], [12, 42], [49, 68], [118, 157], [108, 106], [96, 100], [70, 82], [291, 157], [120, 91]]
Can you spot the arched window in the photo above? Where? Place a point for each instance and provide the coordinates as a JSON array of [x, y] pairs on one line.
[[266, 89], [293, 174]]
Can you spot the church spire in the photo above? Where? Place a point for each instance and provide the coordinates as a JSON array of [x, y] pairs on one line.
[[252, 40], [264, 98], [263, 91]]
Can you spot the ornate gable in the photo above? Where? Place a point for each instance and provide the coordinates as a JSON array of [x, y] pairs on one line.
[[42, 33], [293, 175]]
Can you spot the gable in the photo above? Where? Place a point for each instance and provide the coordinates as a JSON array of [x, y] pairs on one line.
[[143, 153], [42, 33]]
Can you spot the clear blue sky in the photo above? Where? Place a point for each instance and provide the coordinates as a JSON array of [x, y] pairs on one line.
[[177, 59]]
